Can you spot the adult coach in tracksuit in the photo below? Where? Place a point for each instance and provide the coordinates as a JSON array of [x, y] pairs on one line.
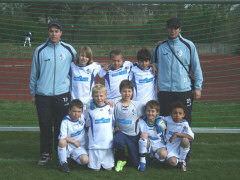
[[173, 79], [49, 84]]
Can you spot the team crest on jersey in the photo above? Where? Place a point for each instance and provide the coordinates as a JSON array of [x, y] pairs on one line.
[[133, 111], [88, 71], [110, 112], [63, 57], [81, 123], [180, 53]]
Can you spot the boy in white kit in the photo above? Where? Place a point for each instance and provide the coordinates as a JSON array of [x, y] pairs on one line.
[[119, 70], [83, 72], [178, 136], [72, 137], [151, 139], [143, 78], [127, 114], [100, 121]]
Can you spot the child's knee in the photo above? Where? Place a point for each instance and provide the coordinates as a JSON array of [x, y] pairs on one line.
[[173, 161], [62, 143], [162, 153], [185, 142], [84, 159]]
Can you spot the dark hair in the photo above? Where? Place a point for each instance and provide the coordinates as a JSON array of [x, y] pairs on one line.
[[114, 53], [153, 104], [77, 103], [178, 105], [143, 55], [126, 84]]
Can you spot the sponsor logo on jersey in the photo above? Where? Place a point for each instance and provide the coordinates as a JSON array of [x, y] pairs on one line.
[[124, 121], [146, 80], [80, 78], [120, 73], [76, 133], [102, 120]]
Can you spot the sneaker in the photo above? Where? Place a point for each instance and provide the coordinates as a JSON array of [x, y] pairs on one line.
[[65, 168], [120, 165], [45, 157], [142, 166], [183, 165], [72, 163]]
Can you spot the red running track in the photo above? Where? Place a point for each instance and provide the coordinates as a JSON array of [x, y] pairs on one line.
[[221, 78]]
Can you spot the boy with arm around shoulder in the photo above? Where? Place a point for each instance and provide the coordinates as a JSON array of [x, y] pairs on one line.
[[127, 114], [118, 71], [72, 136], [100, 121], [143, 77]]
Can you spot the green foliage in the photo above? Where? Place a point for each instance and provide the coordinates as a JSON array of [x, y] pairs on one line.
[[213, 156]]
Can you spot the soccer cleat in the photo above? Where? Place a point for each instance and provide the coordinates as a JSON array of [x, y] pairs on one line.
[[120, 165], [183, 165], [142, 166], [45, 157], [65, 168]]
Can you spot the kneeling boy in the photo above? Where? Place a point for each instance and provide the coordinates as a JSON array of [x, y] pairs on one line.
[[72, 137]]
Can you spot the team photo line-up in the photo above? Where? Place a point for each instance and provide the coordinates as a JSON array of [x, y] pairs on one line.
[[141, 114]]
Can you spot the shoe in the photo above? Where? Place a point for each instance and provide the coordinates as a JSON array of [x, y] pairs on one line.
[[120, 165], [65, 168], [72, 163], [183, 165], [142, 166], [45, 157]]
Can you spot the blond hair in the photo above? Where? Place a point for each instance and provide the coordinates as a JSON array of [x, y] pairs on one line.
[[97, 88]]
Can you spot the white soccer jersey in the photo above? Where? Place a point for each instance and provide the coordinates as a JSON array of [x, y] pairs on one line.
[[73, 129], [100, 121], [127, 117], [173, 127], [145, 84], [113, 78], [82, 81], [156, 139]]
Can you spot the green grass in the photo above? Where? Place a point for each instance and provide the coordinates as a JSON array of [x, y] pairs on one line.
[[213, 156], [220, 115]]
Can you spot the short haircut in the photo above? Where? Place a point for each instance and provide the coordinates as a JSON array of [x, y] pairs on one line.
[[153, 104], [87, 51], [178, 104], [98, 87], [77, 103], [144, 55], [126, 84], [114, 53]]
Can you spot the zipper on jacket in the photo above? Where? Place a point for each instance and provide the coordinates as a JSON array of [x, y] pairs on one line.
[[172, 67], [54, 70]]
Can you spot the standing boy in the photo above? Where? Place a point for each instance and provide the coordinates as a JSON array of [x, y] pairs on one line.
[[119, 70], [127, 114], [100, 122], [143, 78], [49, 84], [27, 39], [72, 136]]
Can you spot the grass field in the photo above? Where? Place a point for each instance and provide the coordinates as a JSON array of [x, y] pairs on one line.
[[213, 156]]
